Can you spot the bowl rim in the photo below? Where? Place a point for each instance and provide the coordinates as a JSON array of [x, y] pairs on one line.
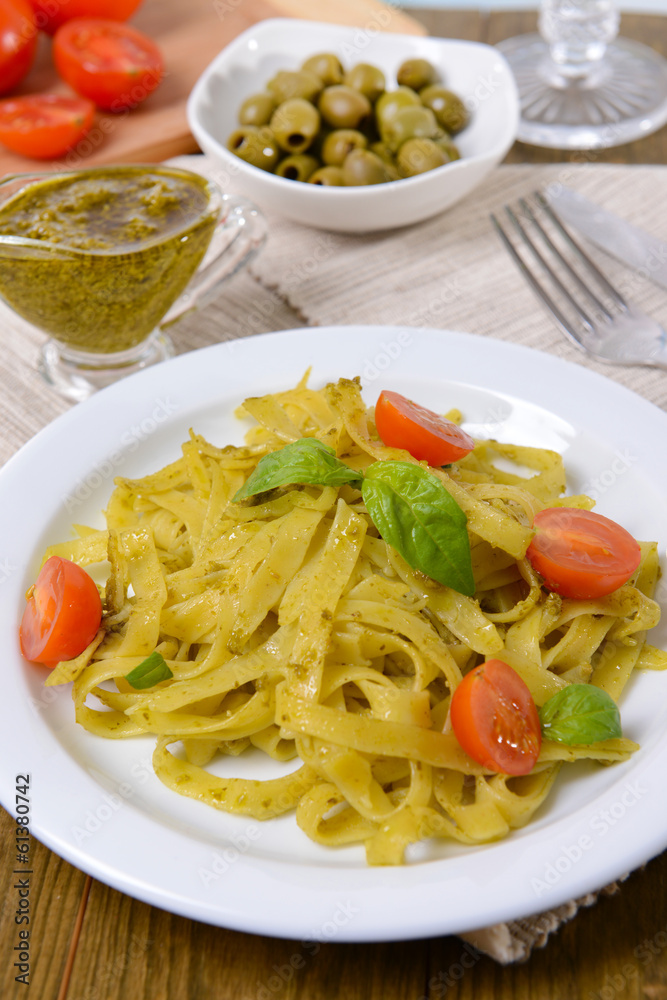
[[267, 27]]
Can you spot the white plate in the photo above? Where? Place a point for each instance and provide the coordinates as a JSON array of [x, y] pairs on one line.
[[97, 803]]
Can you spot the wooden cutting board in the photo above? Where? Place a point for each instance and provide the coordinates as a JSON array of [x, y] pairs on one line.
[[190, 34]]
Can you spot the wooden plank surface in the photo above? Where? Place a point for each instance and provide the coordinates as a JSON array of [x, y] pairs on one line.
[[190, 33], [56, 894], [103, 945]]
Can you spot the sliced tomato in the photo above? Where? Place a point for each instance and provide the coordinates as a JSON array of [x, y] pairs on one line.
[[44, 126], [18, 42], [580, 554], [495, 719], [62, 615], [50, 14], [426, 435], [112, 64]]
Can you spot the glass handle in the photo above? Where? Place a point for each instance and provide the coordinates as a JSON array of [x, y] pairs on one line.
[[578, 32], [239, 234]]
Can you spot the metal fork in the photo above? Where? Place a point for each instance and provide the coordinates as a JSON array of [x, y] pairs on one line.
[[586, 307]]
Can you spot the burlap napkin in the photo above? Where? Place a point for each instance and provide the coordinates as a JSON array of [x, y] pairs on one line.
[[450, 272], [453, 273]]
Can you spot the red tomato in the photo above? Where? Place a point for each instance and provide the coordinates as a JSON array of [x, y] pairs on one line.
[[113, 65], [50, 14], [18, 42], [63, 613], [580, 554], [44, 126], [427, 436], [495, 719]]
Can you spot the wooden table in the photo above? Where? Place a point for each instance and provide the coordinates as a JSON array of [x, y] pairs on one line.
[[90, 942]]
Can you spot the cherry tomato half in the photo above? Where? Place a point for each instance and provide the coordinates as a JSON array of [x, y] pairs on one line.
[[426, 435], [50, 14], [18, 42], [112, 64], [62, 615], [495, 719], [581, 554], [44, 126]]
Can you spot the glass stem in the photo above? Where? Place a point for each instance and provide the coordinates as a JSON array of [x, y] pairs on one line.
[[578, 32]]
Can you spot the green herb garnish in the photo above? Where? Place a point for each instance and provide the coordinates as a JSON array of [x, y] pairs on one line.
[[307, 461], [413, 511], [409, 506], [149, 672], [580, 713]]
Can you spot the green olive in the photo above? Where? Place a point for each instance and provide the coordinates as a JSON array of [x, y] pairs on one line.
[[343, 107], [287, 84], [409, 123], [257, 110], [298, 167], [327, 177], [392, 101], [447, 107], [448, 148], [363, 167], [367, 79], [416, 73], [318, 142], [325, 65], [256, 146], [332, 127], [339, 143], [295, 123], [383, 151], [417, 156]]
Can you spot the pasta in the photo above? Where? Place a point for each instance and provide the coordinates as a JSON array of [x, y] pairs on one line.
[[291, 628]]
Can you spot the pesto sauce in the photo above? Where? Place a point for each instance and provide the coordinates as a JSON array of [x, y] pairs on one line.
[[120, 244]]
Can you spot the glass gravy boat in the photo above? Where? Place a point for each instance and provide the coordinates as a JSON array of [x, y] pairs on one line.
[[104, 259]]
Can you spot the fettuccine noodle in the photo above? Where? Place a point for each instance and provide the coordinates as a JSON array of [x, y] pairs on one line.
[[291, 627]]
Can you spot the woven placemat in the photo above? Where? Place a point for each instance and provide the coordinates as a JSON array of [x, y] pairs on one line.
[[449, 272]]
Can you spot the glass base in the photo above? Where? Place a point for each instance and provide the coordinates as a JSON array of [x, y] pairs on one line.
[[622, 98], [77, 375]]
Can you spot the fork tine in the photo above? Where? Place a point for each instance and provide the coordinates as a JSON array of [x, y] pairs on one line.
[[530, 243], [558, 270], [564, 261], [578, 249], [535, 284]]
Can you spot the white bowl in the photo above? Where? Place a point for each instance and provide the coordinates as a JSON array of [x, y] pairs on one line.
[[478, 73]]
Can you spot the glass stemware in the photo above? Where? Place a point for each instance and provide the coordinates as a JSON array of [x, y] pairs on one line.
[[582, 87]]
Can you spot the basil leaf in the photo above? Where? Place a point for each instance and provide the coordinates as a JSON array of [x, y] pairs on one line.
[[149, 672], [580, 713], [417, 516], [306, 461]]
